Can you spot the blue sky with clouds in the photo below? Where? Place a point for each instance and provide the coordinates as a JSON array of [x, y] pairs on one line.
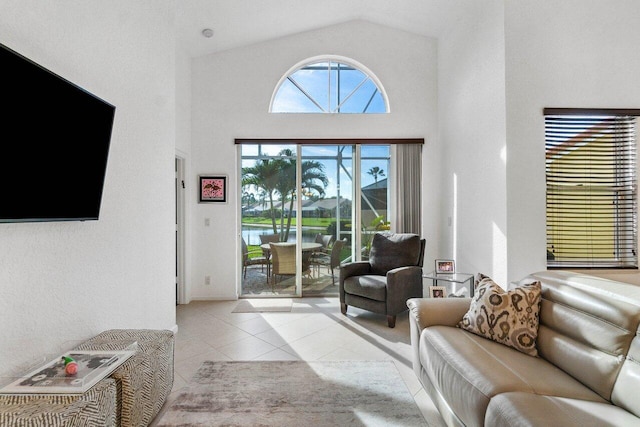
[[372, 155]]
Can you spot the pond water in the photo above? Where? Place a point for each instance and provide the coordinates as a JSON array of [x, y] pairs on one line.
[[251, 233]]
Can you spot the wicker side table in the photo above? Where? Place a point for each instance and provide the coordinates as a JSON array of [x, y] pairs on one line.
[[94, 408], [145, 380]]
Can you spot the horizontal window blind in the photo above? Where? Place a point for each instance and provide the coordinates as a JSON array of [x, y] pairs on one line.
[[591, 190]]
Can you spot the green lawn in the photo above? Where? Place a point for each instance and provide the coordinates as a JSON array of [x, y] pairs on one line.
[[309, 222]]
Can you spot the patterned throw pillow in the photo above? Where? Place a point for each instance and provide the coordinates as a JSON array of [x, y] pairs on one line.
[[508, 317], [479, 278]]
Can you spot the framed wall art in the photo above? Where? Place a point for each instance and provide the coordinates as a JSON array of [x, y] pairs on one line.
[[212, 189], [445, 266]]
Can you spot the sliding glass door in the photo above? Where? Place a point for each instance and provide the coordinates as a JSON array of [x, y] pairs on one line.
[[319, 204], [269, 235], [374, 194], [327, 214]]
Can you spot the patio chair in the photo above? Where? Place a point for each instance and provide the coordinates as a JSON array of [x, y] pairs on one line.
[[331, 261], [268, 238], [325, 240], [283, 260], [248, 259]]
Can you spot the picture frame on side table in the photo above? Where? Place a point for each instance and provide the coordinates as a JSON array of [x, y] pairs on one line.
[[437, 292], [212, 189], [445, 266]]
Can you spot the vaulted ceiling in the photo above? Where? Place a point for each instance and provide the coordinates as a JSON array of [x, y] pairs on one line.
[[239, 23]]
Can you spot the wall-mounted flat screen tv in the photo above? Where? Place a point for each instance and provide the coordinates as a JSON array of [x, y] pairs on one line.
[[54, 139]]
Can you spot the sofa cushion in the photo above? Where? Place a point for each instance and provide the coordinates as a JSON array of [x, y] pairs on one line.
[[527, 410], [508, 317], [393, 250], [626, 387], [368, 286], [586, 332], [469, 370]]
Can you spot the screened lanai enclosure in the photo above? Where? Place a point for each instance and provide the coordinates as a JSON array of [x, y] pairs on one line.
[[329, 87]]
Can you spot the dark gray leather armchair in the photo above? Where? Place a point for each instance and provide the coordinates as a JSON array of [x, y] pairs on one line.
[[385, 282]]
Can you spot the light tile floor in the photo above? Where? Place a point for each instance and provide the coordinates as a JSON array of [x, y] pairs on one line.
[[313, 330]]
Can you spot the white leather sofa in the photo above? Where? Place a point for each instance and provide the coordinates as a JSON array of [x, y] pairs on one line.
[[587, 372]]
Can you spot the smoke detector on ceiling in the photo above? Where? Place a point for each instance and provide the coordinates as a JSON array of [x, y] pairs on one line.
[[207, 32]]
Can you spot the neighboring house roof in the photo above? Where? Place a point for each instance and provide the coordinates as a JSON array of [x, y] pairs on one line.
[[325, 204], [376, 185], [375, 195]]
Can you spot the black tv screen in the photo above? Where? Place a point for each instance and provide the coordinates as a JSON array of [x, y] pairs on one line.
[[54, 139]]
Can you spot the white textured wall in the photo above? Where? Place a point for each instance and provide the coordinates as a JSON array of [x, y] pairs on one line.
[[471, 111], [66, 281], [570, 53], [231, 95]]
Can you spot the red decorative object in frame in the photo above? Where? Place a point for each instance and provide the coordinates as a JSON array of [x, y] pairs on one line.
[[212, 188]]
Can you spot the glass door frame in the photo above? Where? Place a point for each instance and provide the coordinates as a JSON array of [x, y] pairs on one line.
[[356, 208], [298, 292]]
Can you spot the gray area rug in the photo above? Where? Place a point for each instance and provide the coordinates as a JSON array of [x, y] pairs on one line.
[[258, 305], [295, 393]]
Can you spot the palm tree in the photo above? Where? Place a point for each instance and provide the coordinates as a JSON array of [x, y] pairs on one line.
[[278, 176], [248, 198], [375, 172], [262, 198], [313, 179], [264, 176], [286, 187]]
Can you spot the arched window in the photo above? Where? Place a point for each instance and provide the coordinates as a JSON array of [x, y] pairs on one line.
[[329, 85]]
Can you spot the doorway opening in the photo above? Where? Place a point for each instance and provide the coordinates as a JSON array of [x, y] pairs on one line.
[[180, 229]]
